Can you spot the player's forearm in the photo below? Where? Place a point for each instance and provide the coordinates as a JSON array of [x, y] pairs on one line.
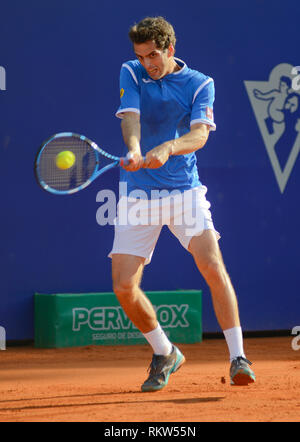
[[188, 143], [131, 131]]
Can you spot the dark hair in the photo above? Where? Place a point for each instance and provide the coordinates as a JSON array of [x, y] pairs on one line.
[[155, 29]]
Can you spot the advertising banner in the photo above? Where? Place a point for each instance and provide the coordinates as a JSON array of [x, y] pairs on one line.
[[68, 320]]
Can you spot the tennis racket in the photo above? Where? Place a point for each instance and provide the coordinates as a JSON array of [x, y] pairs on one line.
[[89, 161]]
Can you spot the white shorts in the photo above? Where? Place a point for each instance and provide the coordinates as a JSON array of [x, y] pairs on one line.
[[139, 221]]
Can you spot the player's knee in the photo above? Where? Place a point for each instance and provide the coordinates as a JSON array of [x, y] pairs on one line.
[[124, 288], [215, 273]]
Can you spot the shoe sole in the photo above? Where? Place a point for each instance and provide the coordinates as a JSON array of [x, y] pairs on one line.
[[175, 368], [242, 378]]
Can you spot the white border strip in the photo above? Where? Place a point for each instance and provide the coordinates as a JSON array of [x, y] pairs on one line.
[[204, 121], [182, 68], [201, 87], [120, 113], [125, 65]]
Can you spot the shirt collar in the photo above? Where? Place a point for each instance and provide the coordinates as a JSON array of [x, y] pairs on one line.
[[182, 64]]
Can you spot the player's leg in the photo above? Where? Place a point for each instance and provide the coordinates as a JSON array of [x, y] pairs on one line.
[[192, 225], [208, 258], [127, 273]]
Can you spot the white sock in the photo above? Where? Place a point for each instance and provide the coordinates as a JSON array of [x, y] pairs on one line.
[[234, 339], [159, 341]]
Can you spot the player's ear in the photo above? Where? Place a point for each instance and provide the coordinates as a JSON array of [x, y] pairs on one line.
[[171, 50]]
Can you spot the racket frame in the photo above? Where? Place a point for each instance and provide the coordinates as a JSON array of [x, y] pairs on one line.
[[116, 161]]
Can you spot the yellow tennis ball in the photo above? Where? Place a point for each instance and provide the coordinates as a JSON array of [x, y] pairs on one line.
[[65, 159]]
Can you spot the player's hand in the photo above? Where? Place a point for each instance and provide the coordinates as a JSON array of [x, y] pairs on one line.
[[136, 162], [158, 156]]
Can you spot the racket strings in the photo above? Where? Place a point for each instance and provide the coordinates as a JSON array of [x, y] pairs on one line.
[[86, 163]]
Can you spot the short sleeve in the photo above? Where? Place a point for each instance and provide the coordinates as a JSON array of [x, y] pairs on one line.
[[129, 91], [202, 106]]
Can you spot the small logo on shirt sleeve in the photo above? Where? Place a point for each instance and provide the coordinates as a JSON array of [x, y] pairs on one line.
[[209, 113], [121, 93]]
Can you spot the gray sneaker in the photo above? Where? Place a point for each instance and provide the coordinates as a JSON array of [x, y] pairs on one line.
[[240, 372], [160, 369]]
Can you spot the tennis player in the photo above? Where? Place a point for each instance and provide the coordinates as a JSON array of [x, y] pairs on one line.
[[167, 114]]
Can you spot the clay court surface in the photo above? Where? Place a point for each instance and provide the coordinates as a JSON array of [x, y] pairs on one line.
[[102, 384]]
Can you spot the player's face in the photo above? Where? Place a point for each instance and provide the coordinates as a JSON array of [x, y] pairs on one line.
[[157, 62]]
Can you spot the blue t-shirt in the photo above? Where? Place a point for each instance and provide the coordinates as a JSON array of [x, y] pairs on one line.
[[167, 108]]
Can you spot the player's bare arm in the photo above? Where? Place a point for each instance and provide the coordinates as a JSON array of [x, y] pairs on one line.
[[131, 131], [188, 143]]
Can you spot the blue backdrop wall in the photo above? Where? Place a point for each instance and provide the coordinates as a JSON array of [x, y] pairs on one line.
[[62, 60]]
